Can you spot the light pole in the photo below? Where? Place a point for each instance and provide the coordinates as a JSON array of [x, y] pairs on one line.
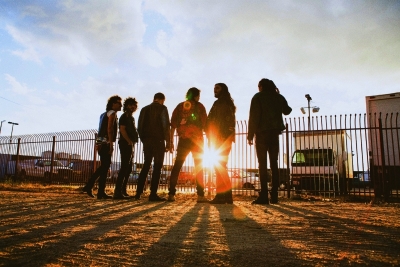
[[12, 129], [314, 110], [1, 125]]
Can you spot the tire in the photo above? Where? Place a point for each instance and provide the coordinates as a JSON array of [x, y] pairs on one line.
[[22, 175], [47, 176], [248, 185]]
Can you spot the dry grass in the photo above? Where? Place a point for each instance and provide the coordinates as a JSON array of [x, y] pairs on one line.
[[58, 226]]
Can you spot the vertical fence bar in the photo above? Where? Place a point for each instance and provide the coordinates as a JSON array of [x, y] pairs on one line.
[[52, 159]]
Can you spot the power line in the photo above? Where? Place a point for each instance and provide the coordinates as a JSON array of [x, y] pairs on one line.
[[10, 101]]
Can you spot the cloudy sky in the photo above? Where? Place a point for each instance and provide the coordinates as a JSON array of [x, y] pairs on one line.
[[61, 60]]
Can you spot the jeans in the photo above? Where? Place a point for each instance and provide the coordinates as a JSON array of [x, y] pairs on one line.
[[268, 142], [223, 181], [185, 146], [152, 149], [101, 172], [126, 167]]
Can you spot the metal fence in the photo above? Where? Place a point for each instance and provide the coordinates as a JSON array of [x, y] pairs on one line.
[[322, 155]]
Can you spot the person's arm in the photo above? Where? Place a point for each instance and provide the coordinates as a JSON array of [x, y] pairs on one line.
[[122, 130], [110, 130], [285, 107], [166, 128], [203, 117], [141, 124], [254, 117]]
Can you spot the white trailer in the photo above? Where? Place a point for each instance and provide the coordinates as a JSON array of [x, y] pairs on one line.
[[383, 138], [321, 161]]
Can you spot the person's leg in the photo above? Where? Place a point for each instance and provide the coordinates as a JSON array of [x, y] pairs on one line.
[[181, 153], [223, 182], [159, 151], [261, 150], [105, 159], [128, 172], [125, 158], [92, 180], [148, 158], [197, 152], [273, 151]]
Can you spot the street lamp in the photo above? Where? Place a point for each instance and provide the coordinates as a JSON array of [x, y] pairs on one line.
[[314, 110], [9, 145], [12, 128], [1, 125]]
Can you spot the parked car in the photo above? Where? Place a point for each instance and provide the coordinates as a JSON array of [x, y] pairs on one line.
[[42, 168], [362, 180], [242, 179], [82, 170]]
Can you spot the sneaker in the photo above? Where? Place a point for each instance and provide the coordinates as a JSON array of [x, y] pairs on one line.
[[171, 198], [202, 199], [156, 198]]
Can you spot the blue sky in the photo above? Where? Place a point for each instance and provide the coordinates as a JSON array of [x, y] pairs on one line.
[[61, 60]]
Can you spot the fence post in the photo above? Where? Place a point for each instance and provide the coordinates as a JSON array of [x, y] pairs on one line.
[[384, 183], [95, 153], [17, 160], [287, 160], [52, 158]]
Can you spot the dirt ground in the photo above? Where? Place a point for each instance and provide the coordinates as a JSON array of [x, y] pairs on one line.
[[63, 227]]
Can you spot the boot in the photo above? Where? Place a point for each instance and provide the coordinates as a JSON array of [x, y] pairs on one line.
[[103, 195], [228, 197], [88, 190], [118, 194], [274, 197], [261, 200], [218, 199], [124, 185]]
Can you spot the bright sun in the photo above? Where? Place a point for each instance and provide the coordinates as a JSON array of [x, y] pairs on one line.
[[210, 157]]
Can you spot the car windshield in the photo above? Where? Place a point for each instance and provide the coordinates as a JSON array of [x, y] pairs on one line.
[[313, 157], [55, 163]]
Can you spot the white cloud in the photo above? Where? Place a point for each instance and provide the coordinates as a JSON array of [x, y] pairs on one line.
[[17, 87]]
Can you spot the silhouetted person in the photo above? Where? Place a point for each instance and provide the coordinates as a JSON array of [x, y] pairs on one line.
[[220, 132], [128, 139], [189, 119], [105, 146], [266, 123], [154, 132]]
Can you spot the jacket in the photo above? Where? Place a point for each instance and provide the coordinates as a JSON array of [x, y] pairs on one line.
[[221, 122], [153, 124], [266, 111]]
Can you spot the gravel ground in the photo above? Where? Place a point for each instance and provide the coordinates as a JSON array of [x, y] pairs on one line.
[[52, 227]]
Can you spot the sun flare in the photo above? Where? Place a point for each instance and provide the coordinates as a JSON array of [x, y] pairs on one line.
[[210, 157]]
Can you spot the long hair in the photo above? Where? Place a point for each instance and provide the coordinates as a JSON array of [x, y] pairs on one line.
[[111, 101], [192, 93], [129, 101], [225, 95], [267, 85]]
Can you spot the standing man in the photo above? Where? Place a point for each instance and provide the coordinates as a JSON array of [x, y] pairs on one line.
[[105, 146], [220, 130], [153, 128], [128, 139], [189, 118], [266, 123]]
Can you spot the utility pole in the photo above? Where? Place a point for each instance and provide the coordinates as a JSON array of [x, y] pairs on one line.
[[1, 125]]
